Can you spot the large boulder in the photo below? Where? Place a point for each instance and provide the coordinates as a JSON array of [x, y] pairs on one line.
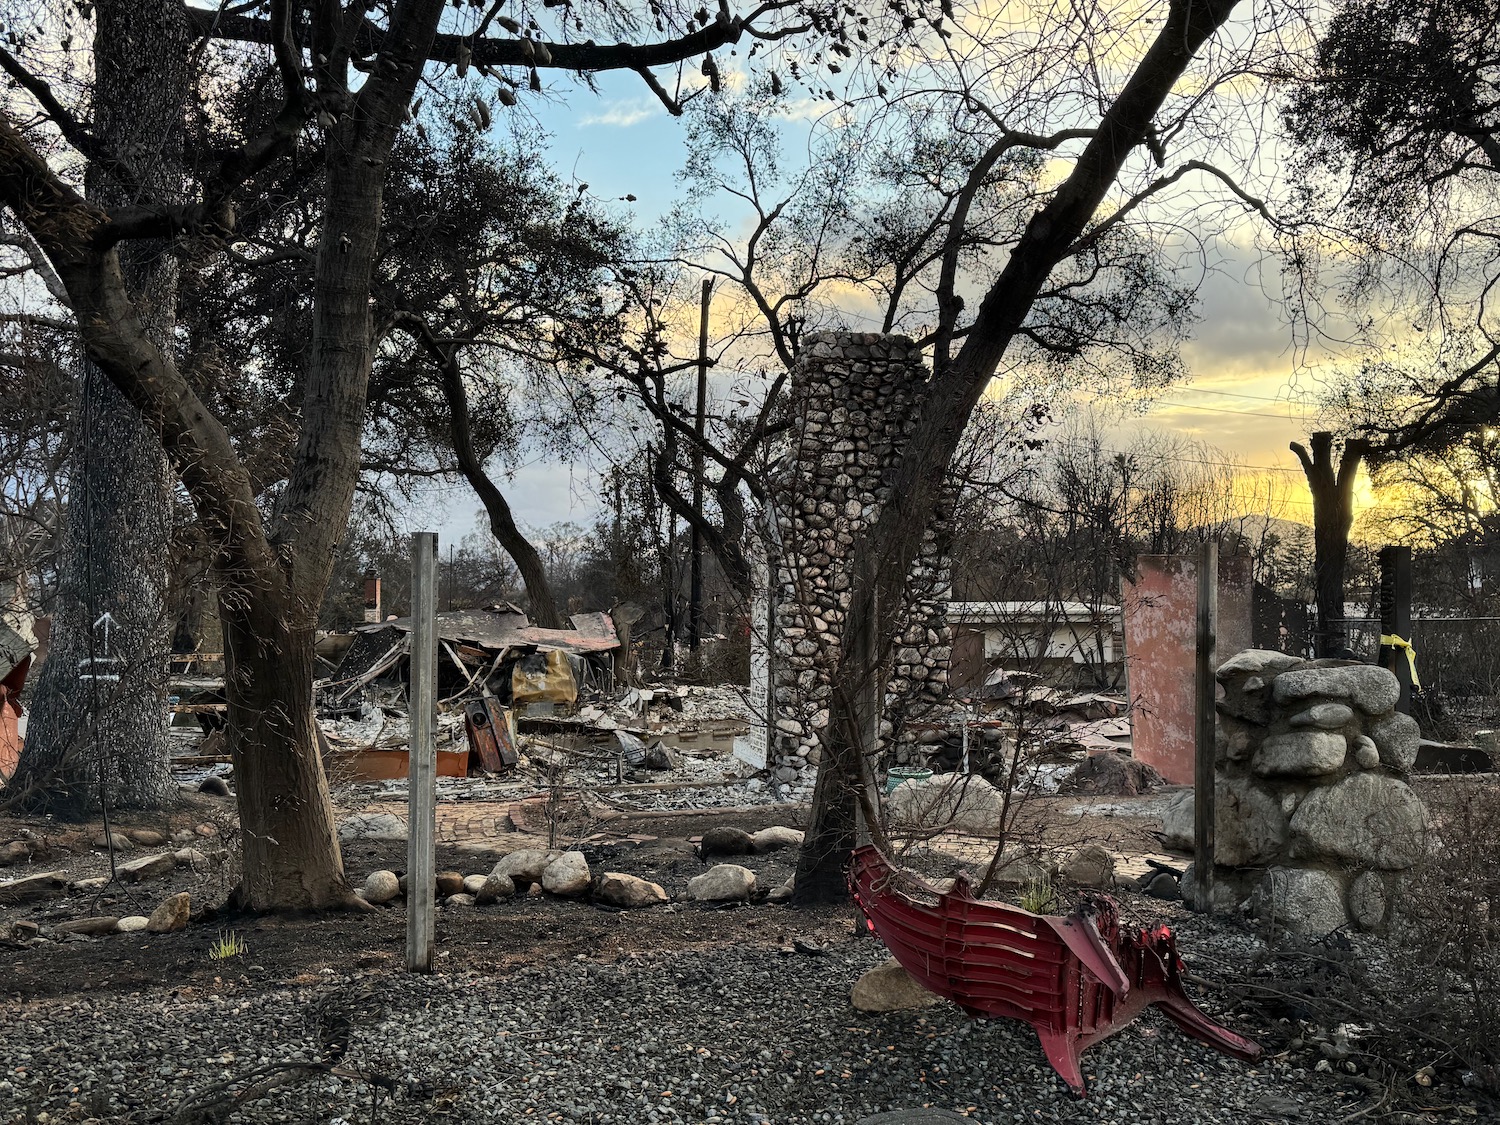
[[890, 988], [1397, 737], [963, 803], [17, 851], [774, 838], [380, 887], [1018, 865], [494, 888], [1234, 739], [1367, 820], [1301, 899], [1369, 900], [568, 875], [1327, 716], [44, 884], [94, 927], [628, 892], [726, 840], [171, 915], [1177, 824], [1090, 866], [1369, 687], [725, 882], [1246, 699], [1231, 888], [147, 867], [1300, 753], [1256, 662], [372, 826], [524, 866], [1110, 775], [1249, 826]]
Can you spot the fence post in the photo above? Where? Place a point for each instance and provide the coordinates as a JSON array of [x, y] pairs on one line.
[[1203, 762], [1395, 617], [421, 874]]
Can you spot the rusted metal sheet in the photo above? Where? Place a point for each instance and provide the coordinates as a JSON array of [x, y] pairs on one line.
[[506, 627], [1075, 980], [10, 714], [490, 736], [1160, 610]]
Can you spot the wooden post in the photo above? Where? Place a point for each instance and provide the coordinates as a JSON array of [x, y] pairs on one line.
[[695, 580], [1203, 773], [421, 863], [1395, 617]]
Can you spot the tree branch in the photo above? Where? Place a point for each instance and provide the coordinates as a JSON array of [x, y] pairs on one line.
[[587, 56]]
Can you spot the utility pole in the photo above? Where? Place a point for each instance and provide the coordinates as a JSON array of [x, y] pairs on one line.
[[695, 581]]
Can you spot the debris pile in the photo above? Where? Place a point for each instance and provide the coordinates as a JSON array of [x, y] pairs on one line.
[[1056, 733], [524, 710]]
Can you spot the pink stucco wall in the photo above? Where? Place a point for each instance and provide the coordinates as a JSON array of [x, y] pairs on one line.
[[1160, 613]]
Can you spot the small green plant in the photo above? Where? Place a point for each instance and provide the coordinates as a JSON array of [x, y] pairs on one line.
[[1038, 897], [229, 944]]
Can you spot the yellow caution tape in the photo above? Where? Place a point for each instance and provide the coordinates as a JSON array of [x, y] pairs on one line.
[[1390, 640]]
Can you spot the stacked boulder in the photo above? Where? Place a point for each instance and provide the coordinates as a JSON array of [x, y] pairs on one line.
[[851, 409], [1314, 823]]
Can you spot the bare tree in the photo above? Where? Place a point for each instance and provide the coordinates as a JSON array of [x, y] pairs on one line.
[[349, 75], [100, 737], [1332, 487], [1061, 231]]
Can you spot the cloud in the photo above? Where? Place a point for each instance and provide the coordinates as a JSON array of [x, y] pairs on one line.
[[622, 115]]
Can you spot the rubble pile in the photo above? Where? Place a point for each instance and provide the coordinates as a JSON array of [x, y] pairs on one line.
[[1314, 822], [1068, 742]]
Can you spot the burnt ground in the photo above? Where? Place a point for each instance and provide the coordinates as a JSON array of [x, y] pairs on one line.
[[660, 846], [535, 938]]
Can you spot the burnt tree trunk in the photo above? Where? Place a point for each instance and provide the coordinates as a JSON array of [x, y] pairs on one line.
[[292, 858], [542, 605], [1332, 488], [946, 403], [94, 742]]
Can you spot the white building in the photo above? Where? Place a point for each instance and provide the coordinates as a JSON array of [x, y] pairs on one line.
[[1017, 635]]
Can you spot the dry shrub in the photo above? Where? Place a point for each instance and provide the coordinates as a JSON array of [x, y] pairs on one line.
[[1448, 924]]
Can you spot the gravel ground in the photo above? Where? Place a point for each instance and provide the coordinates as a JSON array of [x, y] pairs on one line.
[[749, 1033]]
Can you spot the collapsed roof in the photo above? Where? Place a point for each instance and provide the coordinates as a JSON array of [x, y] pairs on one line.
[[504, 626]]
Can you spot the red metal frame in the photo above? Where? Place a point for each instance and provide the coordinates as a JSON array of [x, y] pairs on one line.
[[1076, 980]]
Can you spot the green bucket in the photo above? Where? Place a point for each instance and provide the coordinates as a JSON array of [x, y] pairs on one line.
[[898, 774]]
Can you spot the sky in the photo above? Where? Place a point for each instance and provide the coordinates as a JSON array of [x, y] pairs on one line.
[[1248, 393]]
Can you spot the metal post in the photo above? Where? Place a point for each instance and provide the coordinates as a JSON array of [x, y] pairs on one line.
[[695, 581], [1206, 685], [421, 873], [1395, 617]]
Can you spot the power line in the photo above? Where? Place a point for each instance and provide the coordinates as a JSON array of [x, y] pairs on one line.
[[1203, 461], [1224, 410], [1236, 394]]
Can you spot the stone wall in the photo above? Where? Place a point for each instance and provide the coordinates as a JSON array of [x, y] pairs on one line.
[[850, 400], [1314, 823]]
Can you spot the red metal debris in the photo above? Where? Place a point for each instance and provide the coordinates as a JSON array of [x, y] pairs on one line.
[[1076, 980]]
